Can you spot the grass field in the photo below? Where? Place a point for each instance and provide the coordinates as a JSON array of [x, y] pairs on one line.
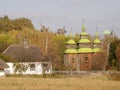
[[81, 83]]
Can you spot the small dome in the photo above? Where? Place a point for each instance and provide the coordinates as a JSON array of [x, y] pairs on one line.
[[83, 30], [84, 41], [83, 33], [97, 41], [85, 50], [70, 51], [71, 42], [107, 32]]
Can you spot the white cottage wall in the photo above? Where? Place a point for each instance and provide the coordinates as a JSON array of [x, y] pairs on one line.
[[2, 73], [38, 69], [9, 70]]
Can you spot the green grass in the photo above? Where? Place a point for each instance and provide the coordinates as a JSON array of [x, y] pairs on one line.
[[81, 83]]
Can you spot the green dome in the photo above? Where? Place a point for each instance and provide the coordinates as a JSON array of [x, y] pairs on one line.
[[83, 33], [71, 42], [97, 41], [70, 51], [97, 50], [85, 50], [84, 41], [107, 32]]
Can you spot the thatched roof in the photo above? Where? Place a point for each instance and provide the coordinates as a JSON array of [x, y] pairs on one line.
[[3, 64], [22, 53]]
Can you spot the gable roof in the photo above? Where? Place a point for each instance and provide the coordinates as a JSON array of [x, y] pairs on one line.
[[3, 64], [25, 54]]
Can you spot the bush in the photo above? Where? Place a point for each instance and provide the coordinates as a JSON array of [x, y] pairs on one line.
[[115, 76]]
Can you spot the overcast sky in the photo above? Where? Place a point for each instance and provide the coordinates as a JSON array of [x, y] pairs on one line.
[[103, 14]]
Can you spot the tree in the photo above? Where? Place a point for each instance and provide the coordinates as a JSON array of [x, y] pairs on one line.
[[22, 22], [112, 52], [4, 42], [7, 24]]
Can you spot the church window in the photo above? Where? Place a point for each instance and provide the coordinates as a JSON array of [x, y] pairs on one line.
[[86, 59], [73, 60]]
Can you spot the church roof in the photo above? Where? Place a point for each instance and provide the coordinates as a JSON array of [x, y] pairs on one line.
[[97, 41], [25, 54], [70, 51], [97, 50], [83, 31], [71, 42], [85, 40], [85, 50]]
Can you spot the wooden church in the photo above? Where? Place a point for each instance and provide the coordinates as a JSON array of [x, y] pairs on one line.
[[83, 55]]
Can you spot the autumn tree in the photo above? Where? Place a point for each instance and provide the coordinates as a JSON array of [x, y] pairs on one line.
[[7, 24]]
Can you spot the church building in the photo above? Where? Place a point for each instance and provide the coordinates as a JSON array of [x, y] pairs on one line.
[[85, 54]]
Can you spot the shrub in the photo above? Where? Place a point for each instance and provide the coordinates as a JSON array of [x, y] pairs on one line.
[[115, 76]]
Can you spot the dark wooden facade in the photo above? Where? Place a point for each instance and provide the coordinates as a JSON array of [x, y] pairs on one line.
[[85, 61], [71, 61]]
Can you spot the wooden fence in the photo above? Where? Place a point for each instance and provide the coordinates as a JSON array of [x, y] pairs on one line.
[[77, 73]]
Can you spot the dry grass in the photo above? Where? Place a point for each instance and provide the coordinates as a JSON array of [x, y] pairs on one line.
[[82, 83]]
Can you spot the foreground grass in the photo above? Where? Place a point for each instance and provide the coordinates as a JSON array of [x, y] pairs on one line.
[[81, 83]]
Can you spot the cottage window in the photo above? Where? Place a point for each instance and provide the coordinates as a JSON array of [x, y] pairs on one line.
[[45, 66], [32, 67]]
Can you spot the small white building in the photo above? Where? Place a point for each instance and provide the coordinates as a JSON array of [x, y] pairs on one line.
[[29, 60], [28, 68], [3, 65]]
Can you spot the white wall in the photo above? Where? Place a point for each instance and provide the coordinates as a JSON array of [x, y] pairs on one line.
[[9, 70], [2, 73], [38, 69]]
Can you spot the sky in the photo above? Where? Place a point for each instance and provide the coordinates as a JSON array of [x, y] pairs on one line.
[[54, 14]]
